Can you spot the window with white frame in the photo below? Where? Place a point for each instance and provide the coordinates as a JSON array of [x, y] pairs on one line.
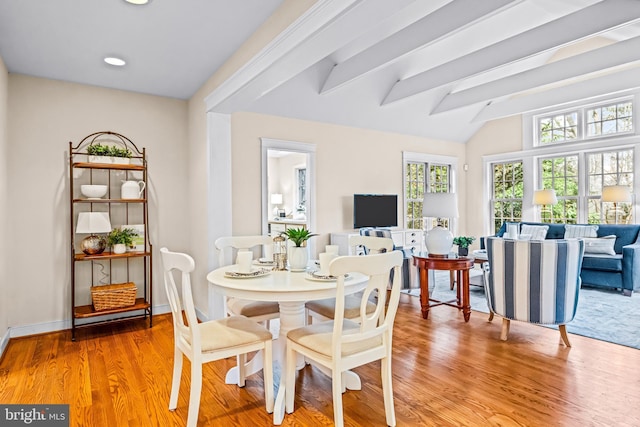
[[421, 177], [506, 193], [614, 117], [558, 127], [609, 168], [610, 119], [560, 174]]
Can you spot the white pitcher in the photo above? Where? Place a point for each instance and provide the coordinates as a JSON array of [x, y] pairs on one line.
[[132, 189]]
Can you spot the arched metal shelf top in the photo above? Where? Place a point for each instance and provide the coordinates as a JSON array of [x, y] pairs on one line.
[[106, 136]]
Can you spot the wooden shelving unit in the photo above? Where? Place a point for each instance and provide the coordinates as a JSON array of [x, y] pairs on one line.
[[108, 264]]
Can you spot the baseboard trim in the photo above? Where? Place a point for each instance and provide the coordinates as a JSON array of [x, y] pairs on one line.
[[60, 325], [4, 342]]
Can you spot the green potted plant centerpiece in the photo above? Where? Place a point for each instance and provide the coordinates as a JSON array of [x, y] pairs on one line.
[[463, 243], [298, 253], [121, 238]]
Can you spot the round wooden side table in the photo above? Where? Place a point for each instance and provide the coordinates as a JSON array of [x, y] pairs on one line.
[[461, 267]]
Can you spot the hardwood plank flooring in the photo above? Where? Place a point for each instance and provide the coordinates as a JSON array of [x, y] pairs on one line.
[[446, 373]]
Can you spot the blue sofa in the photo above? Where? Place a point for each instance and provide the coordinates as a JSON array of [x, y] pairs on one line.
[[619, 271]]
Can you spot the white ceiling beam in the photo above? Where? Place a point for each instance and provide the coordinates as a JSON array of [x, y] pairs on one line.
[[595, 19], [618, 54], [609, 84], [444, 21], [324, 28]]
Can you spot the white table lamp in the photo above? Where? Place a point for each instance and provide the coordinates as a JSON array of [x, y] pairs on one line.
[[276, 201], [616, 194], [543, 198], [439, 240], [91, 223]]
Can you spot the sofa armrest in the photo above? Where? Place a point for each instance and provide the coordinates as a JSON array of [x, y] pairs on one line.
[[630, 267]]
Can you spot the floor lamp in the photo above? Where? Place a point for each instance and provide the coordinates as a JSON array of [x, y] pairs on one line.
[[439, 240], [543, 198], [616, 194]]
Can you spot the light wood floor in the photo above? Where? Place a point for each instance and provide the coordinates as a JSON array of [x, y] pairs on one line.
[[446, 373]]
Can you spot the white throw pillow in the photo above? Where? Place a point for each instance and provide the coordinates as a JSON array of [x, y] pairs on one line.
[[573, 231], [537, 232], [602, 245]]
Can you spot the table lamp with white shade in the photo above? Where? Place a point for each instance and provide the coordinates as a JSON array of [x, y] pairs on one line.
[[439, 240], [276, 201], [92, 223], [616, 194], [543, 198]]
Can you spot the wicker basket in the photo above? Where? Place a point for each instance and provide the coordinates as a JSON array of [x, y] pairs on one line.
[[117, 295]]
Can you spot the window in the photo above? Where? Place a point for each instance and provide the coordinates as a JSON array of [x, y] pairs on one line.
[[420, 176], [561, 175], [301, 182], [610, 119], [415, 183], [605, 169], [558, 128], [506, 194]]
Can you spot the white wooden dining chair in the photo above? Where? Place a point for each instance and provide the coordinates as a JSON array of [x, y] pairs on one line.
[[341, 344], [260, 311], [208, 341], [323, 309]]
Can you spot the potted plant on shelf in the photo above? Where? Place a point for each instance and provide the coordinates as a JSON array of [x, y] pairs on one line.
[[463, 243], [98, 153], [120, 155], [121, 238], [298, 253]]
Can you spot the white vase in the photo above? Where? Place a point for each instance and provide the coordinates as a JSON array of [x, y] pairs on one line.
[[298, 258], [119, 248]]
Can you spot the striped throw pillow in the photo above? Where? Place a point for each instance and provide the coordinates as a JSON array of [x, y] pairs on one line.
[[573, 231], [537, 232], [602, 246]]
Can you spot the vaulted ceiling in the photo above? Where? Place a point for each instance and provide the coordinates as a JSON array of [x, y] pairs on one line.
[[442, 68], [437, 68]]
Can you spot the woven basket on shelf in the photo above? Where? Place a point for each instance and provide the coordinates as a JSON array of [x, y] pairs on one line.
[[117, 295]]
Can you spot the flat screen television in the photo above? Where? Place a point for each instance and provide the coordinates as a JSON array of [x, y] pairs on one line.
[[375, 210]]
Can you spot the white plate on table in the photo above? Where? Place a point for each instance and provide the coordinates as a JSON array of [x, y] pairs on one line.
[[264, 262], [255, 272], [316, 276]]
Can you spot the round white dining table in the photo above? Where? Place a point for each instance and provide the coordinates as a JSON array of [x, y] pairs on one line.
[[290, 290]]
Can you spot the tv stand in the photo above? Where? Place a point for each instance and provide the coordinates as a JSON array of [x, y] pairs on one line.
[[411, 239]]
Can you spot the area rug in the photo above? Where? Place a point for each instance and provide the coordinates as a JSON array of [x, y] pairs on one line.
[[602, 314]]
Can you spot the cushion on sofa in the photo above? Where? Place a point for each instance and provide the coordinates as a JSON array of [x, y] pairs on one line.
[[573, 231], [600, 245], [602, 262], [537, 232]]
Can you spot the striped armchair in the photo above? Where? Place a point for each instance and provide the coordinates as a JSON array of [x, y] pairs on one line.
[[534, 281]]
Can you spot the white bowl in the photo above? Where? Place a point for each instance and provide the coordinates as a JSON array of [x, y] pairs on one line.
[[93, 191]]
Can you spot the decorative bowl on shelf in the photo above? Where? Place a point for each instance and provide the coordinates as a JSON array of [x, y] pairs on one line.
[[93, 191]]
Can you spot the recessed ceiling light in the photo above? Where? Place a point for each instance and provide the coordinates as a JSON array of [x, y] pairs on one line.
[[138, 1], [112, 60]]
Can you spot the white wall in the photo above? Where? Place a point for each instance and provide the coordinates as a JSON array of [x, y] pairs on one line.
[[4, 208], [43, 116], [498, 136], [341, 168]]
